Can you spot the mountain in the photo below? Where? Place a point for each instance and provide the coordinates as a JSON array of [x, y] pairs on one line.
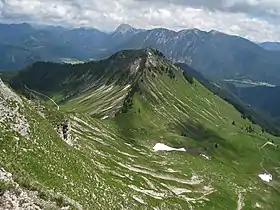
[[53, 44], [11, 32], [133, 131], [49, 43], [216, 55], [86, 41], [270, 45]]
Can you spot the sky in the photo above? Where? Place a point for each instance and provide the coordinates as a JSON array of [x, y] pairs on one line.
[[257, 20]]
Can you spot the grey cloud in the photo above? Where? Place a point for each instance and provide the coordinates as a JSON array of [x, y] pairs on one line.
[[267, 10], [256, 8], [210, 4], [224, 15]]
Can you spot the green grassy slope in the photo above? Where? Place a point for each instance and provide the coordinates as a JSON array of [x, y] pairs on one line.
[[114, 127]]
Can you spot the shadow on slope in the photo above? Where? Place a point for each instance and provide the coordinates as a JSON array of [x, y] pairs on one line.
[[67, 80], [205, 139]]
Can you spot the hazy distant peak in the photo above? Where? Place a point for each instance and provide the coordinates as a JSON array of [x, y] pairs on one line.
[[124, 28]]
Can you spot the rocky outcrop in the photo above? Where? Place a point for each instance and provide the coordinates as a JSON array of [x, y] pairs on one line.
[[24, 199], [13, 197], [63, 129], [11, 106], [5, 176]]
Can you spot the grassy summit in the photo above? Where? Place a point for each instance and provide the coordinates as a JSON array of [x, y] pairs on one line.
[[118, 109]]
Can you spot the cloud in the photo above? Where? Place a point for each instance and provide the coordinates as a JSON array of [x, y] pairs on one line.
[[254, 19], [255, 8]]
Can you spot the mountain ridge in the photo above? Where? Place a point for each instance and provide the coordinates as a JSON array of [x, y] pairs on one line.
[[126, 77]]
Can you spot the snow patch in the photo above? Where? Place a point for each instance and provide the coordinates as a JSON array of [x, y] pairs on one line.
[[266, 177], [163, 147]]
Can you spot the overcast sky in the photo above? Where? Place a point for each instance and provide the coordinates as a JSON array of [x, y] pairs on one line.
[[257, 20]]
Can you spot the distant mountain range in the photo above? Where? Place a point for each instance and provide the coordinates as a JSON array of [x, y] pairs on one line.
[[57, 43], [16, 57], [214, 54]]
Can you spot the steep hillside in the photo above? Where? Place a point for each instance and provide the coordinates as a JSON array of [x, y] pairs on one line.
[[257, 109], [29, 146], [66, 82], [141, 136]]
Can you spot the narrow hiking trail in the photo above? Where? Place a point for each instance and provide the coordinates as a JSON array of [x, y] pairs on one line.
[[34, 91]]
